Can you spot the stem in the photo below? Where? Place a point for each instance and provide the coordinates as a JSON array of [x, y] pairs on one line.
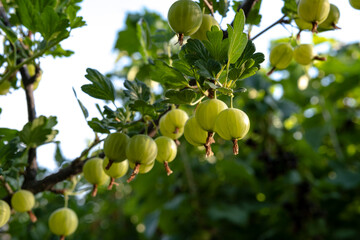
[[109, 164], [32, 216], [231, 101], [319, 58], [94, 191], [135, 172], [6, 185], [269, 27], [314, 28], [271, 71], [209, 140], [62, 237], [112, 183], [167, 168], [210, 7], [235, 147]]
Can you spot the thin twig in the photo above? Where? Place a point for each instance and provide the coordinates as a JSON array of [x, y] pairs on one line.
[[210, 7], [281, 20], [6, 185]]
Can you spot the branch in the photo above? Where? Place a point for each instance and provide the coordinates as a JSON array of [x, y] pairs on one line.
[[281, 20], [6, 185], [210, 7]]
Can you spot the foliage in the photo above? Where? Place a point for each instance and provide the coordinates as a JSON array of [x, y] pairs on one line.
[[296, 175]]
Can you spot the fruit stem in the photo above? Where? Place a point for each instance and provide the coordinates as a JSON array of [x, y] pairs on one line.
[[314, 28], [134, 173], [32, 216], [167, 168], [94, 191], [180, 39], [209, 140], [335, 26], [298, 35], [319, 58], [109, 164], [271, 71], [235, 147], [62, 237], [112, 183], [176, 130], [177, 142]]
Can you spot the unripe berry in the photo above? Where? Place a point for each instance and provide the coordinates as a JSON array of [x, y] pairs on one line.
[[331, 20], [94, 173], [167, 151], [24, 201], [304, 54], [207, 22], [172, 123], [144, 168], [355, 4], [281, 56], [114, 147], [117, 170], [232, 124], [314, 11], [5, 213], [63, 222]]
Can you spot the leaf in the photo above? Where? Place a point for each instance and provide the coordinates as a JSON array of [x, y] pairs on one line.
[[166, 75], [101, 87], [143, 108], [143, 34], [223, 7], [194, 50], [237, 37], [231, 213], [254, 16], [185, 96], [217, 47], [10, 34], [97, 126], [208, 69], [136, 90], [38, 132], [290, 8], [83, 108]]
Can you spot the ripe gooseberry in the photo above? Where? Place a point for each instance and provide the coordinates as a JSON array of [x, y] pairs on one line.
[[94, 173], [5, 213], [114, 148], [184, 17], [140, 150], [207, 22], [63, 222], [117, 170], [205, 114], [172, 123], [332, 19], [4, 87], [232, 124], [195, 135], [280, 56], [24, 201], [167, 151], [314, 11], [355, 4]]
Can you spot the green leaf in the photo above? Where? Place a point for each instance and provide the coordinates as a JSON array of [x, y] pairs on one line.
[[58, 51], [185, 96], [27, 14], [223, 7], [237, 37], [217, 47], [167, 76], [38, 132], [143, 34], [208, 69], [10, 34], [194, 50], [254, 16], [97, 126], [231, 213], [290, 8], [143, 108], [101, 87], [136, 90], [83, 108]]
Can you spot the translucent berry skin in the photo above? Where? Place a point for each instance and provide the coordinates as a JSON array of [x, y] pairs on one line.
[[144, 168], [332, 19], [302, 24], [172, 123], [355, 4], [23, 200], [63, 222], [93, 171], [185, 17], [117, 170], [207, 111], [115, 146], [232, 124], [167, 149], [304, 54], [281, 55], [207, 22], [193, 133], [5, 213], [141, 149], [314, 10]]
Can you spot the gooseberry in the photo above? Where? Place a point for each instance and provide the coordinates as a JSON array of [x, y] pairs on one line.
[[172, 123], [32, 72], [205, 114], [167, 151], [141, 149], [63, 222], [355, 4], [280, 56], [304, 54], [314, 11], [24, 201], [94, 173], [302, 24], [184, 17], [4, 87], [116, 170], [5, 213], [232, 124], [195, 135], [207, 22], [332, 19], [144, 168], [114, 147]]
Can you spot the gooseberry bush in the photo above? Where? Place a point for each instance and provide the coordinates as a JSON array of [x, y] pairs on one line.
[[194, 127]]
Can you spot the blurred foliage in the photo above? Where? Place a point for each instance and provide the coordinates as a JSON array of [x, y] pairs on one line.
[[297, 175]]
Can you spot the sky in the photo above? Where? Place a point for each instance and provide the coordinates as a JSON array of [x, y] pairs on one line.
[[94, 48]]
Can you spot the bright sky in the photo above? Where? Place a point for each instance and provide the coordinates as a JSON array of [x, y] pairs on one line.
[[93, 46]]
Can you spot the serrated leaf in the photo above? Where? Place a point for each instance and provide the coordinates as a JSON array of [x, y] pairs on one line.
[[185, 96], [289, 8], [136, 90], [223, 7], [166, 75], [249, 72], [254, 16], [97, 126], [194, 50], [143, 108], [10, 34], [237, 37], [38, 132], [208, 69], [143, 34], [217, 47], [183, 67], [101, 87]]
